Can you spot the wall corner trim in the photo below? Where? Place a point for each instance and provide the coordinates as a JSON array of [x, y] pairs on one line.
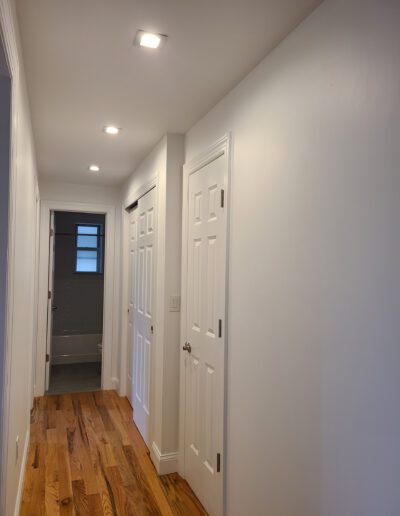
[[164, 463], [22, 473]]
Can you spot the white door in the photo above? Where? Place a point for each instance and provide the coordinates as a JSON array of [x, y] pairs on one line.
[[205, 348], [132, 297], [143, 313], [50, 300]]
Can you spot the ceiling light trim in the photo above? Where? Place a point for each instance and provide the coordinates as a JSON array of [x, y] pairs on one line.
[[149, 39], [111, 130]]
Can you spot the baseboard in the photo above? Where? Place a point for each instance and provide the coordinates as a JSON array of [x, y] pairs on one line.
[[164, 462], [115, 383], [22, 473]]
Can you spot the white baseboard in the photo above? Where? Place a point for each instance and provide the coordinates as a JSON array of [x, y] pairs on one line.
[[115, 383], [22, 473], [164, 462]]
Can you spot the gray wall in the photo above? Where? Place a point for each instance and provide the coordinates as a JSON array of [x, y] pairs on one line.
[[78, 297], [313, 420]]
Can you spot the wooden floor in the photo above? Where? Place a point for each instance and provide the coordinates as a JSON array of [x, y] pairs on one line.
[[86, 457]]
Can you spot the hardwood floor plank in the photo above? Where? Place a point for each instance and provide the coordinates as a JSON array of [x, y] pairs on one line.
[[180, 496], [80, 499], [86, 457], [52, 488], [65, 482], [94, 504]]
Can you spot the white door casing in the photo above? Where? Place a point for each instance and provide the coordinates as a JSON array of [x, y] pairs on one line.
[[111, 301], [143, 313], [204, 325], [131, 296], [50, 300]]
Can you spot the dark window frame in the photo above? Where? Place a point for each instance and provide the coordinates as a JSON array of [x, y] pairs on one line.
[[98, 249]]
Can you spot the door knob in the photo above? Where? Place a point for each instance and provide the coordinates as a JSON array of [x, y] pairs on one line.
[[187, 347]]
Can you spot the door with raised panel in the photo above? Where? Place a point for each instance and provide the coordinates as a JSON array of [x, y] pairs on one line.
[[132, 298], [205, 348], [143, 312]]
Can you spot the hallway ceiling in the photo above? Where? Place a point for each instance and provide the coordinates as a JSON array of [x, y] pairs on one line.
[[83, 72]]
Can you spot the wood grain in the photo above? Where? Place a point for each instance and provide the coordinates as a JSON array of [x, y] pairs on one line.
[[87, 458]]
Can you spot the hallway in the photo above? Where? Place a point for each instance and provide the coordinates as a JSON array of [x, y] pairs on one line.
[[86, 457], [200, 257]]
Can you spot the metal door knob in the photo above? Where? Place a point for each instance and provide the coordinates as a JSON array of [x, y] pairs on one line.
[[187, 347]]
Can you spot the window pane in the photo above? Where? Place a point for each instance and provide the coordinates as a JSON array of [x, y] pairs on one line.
[[86, 241], [86, 261], [88, 230]]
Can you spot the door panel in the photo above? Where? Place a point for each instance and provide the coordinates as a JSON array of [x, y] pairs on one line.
[[143, 314], [204, 364]]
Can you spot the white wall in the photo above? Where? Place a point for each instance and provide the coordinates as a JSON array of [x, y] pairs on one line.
[[55, 191], [72, 192], [313, 418], [21, 266], [164, 164]]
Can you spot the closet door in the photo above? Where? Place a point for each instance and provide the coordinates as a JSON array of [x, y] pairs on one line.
[[143, 313]]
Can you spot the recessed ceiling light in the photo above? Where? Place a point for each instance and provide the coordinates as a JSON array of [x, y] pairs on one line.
[[111, 129], [149, 39], [94, 168]]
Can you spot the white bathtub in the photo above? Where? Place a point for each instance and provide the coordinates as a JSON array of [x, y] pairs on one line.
[[72, 349]]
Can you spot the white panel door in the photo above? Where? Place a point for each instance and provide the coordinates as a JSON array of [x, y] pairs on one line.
[[204, 363], [143, 313], [50, 300], [133, 215]]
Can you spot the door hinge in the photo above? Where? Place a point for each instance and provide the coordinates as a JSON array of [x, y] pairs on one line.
[[49, 294], [47, 357], [219, 328], [51, 232], [222, 198], [218, 462]]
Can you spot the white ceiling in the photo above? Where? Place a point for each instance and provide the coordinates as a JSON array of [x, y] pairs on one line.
[[83, 72]]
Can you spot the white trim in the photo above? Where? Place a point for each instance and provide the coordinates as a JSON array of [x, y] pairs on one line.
[[142, 190], [8, 38], [22, 473], [36, 298], [219, 148], [109, 329], [7, 32], [115, 383], [164, 463]]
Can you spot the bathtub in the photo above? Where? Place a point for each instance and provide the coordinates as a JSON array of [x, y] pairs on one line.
[[72, 349]]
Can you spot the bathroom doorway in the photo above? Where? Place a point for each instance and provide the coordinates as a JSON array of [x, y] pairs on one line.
[[76, 298]]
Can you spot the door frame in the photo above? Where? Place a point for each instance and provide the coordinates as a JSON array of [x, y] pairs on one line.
[[109, 328], [220, 148], [12, 66]]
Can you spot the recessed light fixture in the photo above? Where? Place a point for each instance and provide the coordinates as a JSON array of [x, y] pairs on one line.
[[111, 129], [149, 39], [94, 168]]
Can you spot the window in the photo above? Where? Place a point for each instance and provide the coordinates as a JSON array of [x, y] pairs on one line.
[[89, 248]]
